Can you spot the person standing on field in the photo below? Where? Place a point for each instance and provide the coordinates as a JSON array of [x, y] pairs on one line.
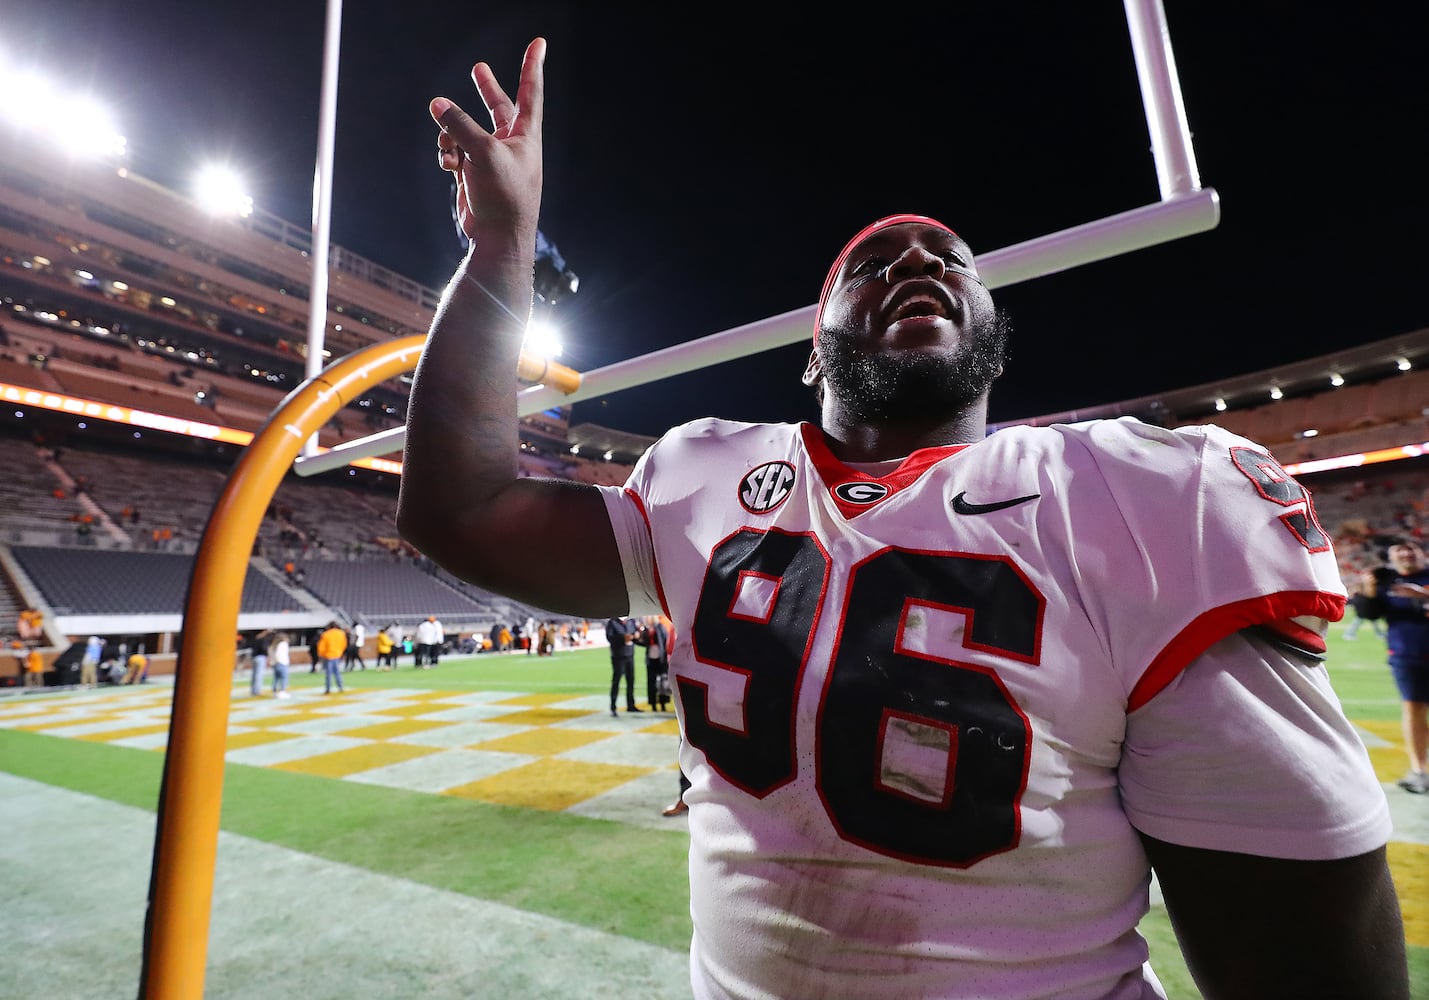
[[280, 654], [331, 646], [1399, 596]]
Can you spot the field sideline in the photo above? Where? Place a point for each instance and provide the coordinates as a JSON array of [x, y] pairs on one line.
[[481, 829]]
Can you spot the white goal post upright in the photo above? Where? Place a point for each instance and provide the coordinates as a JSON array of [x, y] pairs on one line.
[[1185, 209]]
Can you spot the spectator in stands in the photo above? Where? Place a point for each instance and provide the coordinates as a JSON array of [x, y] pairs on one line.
[[31, 625], [34, 668], [1401, 598], [353, 655], [332, 644], [138, 671], [281, 656]]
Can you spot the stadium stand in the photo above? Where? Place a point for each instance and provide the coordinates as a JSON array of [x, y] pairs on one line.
[[82, 581], [383, 591], [136, 494]]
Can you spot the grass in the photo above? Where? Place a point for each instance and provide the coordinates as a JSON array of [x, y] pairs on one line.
[[604, 875]]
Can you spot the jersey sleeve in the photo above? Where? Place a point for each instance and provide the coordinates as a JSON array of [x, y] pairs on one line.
[[1214, 534], [1249, 750], [630, 524]]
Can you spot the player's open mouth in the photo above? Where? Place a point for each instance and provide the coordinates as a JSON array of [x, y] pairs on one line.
[[916, 305]]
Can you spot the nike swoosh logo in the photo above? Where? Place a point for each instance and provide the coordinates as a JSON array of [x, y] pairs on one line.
[[962, 506]]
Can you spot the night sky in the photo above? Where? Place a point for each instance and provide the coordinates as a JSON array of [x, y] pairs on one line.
[[705, 164]]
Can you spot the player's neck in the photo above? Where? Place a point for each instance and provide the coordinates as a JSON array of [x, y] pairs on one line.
[[862, 442]]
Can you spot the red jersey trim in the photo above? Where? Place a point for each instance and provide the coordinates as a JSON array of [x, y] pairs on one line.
[[833, 473], [1216, 624], [654, 562], [1299, 636]]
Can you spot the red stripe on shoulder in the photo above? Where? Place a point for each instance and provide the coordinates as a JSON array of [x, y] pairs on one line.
[[1213, 626], [654, 562], [1299, 636]]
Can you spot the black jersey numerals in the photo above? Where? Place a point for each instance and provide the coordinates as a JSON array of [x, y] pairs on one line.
[[879, 681], [1279, 487]]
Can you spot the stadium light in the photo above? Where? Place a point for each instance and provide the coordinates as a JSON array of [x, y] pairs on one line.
[[542, 339], [1309, 432], [1220, 405], [77, 125], [1336, 379], [219, 190], [1276, 392], [1403, 364]]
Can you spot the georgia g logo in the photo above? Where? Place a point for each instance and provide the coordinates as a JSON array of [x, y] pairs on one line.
[[763, 489], [862, 493]]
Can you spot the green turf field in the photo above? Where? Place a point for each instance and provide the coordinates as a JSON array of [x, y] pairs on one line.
[[593, 873]]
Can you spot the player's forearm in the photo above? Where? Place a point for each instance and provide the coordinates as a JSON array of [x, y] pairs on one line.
[[462, 444]]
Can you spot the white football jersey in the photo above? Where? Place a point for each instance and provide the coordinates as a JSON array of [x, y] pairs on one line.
[[906, 699]]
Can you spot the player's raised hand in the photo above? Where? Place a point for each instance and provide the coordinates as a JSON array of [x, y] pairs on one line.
[[498, 173]]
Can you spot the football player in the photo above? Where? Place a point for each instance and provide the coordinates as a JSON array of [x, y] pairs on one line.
[[946, 700]]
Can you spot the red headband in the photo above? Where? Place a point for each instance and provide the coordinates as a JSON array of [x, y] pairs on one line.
[[865, 233]]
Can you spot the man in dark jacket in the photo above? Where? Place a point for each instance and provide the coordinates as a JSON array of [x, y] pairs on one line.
[[1400, 596], [621, 633]]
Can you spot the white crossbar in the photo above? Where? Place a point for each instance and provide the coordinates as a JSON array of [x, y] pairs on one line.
[[1185, 209]]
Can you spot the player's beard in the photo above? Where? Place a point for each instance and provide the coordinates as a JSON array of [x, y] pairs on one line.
[[911, 386]]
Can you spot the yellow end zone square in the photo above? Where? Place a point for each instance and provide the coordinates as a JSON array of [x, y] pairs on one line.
[[549, 784], [417, 708], [341, 763], [392, 730], [281, 719], [41, 724], [540, 716], [120, 734], [1410, 865], [542, 698], [1385, 729], [541, 742], [1390, 763], [255, 738]]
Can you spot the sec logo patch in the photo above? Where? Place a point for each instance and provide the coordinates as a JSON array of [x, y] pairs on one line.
[[763, 489]]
